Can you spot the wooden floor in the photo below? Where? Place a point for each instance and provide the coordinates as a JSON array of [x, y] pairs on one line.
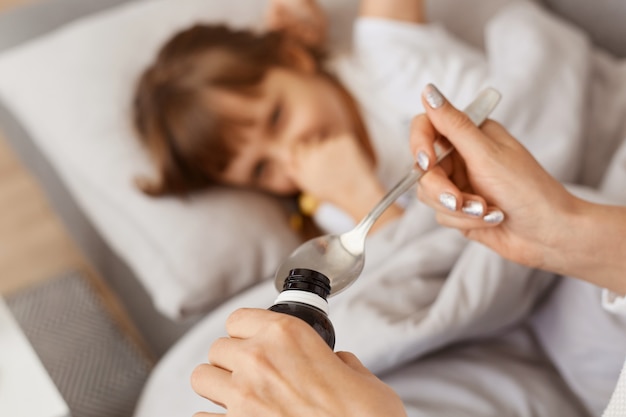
[[34, 245]]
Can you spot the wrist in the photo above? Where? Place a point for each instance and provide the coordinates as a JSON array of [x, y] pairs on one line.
[[592, 248], [562, 249]]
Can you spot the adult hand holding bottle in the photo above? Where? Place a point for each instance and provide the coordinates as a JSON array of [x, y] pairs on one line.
[[494, 191], [274, 364]]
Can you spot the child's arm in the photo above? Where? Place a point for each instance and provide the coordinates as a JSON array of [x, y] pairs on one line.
[[303, 20], [404, 10]]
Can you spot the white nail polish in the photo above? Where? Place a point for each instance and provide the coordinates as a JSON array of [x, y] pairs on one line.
[[494, 217], [448, 201], [473, 208], [423, 160], [433, 97]]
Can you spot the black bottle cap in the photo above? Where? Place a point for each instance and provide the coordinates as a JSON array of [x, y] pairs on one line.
[[307, 280]]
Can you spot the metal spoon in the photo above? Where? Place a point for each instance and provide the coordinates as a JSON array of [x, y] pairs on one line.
[[341, 257]]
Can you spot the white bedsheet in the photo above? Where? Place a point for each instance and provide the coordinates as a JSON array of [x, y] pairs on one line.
[[441, 319]]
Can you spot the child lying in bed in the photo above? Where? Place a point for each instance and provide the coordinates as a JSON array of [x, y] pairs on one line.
[[267, 111], [263, 110]]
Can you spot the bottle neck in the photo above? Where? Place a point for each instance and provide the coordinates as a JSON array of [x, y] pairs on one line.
[[304, 297]]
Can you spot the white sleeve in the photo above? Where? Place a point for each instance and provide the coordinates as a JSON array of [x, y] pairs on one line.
[[613, 302], [402, 55], [331, 219], [382, 35]]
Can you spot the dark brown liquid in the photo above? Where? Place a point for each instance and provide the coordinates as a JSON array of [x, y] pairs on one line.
[[313, 282], [315, 317]]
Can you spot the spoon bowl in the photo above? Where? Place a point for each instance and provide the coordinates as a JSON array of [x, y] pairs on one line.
[[327, 255], [341, 257]]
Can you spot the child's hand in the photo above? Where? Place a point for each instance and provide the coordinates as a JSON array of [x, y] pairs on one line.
[[337, 170], [304, 20]]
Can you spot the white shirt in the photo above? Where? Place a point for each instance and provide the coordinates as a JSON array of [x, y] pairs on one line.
[[617, 405]]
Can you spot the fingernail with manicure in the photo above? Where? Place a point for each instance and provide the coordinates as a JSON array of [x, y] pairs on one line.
[[433, 97], [423, 160], [448, 201], [473, 208], [494, 217]]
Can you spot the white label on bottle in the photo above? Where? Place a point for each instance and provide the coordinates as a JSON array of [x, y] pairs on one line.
[[304, 297]]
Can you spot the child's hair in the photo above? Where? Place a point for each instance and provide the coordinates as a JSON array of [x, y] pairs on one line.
[[184, 138]]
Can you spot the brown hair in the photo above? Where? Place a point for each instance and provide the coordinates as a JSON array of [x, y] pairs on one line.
[[185, 139]]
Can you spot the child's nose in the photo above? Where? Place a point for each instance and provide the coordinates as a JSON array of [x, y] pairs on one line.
[[286, 147], [283, 152]]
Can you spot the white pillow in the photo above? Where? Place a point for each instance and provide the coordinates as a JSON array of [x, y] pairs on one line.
[[72, 91]]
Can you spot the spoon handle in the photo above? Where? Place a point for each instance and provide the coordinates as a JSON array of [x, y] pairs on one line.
[[477, 111]]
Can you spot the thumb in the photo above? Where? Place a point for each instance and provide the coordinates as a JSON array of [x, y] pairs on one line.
[[457, 126], [353, 362]]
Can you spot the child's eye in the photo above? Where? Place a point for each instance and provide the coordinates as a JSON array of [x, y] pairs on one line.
[[275, 116], [259, 170]]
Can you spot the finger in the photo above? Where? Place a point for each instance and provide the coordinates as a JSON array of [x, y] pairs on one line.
[[422, 138], [493, 217], [204, 414], [353, 362], [223, 353], [437, 191], [446, 197], [452, 123], [212, 383], [248, 322], [473, 205]]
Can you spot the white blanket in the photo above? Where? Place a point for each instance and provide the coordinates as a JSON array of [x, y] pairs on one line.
[[440, 319]]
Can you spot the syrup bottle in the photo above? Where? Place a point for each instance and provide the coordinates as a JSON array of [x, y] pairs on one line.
[[304, 296]]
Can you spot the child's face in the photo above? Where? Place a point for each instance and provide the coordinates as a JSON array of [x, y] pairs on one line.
[[293, 109]]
